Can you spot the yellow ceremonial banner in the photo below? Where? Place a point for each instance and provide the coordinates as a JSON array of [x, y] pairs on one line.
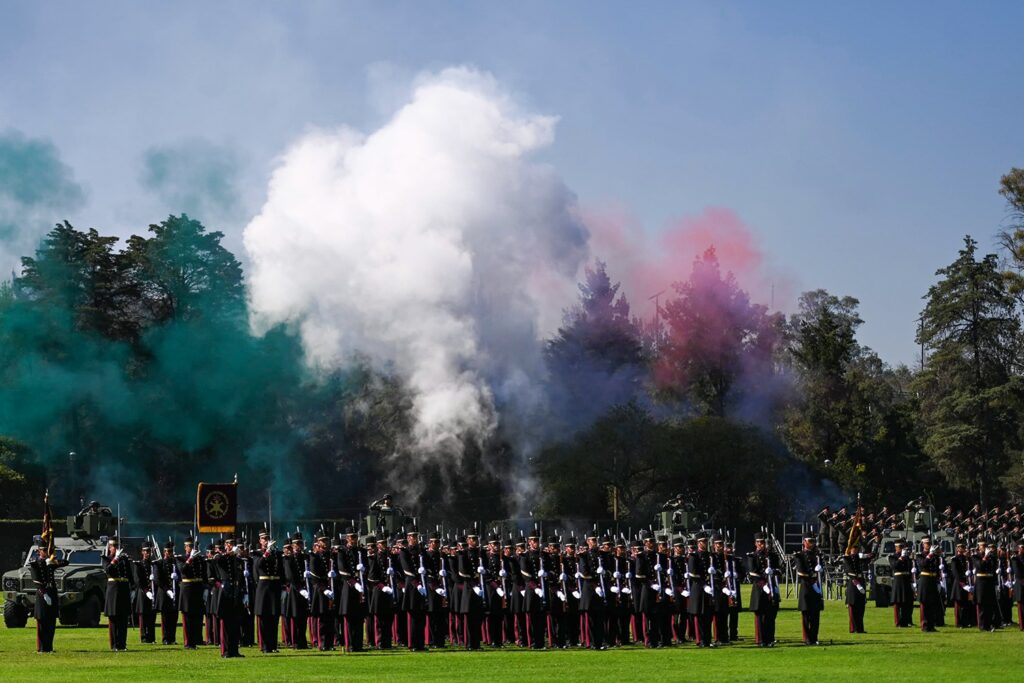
[[217, 507]]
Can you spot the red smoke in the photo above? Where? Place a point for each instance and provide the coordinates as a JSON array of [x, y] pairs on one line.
[[647, 264]]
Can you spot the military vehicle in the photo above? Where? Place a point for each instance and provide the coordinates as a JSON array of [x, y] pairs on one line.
[[80, 585], [384, 520], [679, 517], [919, 520]]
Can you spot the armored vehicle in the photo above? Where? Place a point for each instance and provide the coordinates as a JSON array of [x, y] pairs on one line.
[[80, 585], [919, 520], [384, 520], [678, 518]]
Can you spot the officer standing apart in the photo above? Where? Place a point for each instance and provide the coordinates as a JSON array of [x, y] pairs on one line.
[[809, 599], [118, 604], [47, 606]]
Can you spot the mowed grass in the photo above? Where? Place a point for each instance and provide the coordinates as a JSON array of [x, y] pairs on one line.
[[884, 653]]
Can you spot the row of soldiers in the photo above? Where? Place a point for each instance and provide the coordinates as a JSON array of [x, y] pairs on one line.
[[536, 593], [1002, 524], [980, 584]]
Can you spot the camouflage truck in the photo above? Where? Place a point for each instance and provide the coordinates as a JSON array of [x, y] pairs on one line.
[[678, 518], [80, 585], [919, 521], [383, 520]]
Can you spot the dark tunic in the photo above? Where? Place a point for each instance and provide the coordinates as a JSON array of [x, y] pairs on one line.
[[119, 575], [985, 581], [590, 580], [761, 566], [229, 573], [295, 568], [809, 598], [1017, 567], [469, 582], [414, 590], [143, 575], [530, 570], [45, 580], [192, 572], [959, 565], [266, 570], [856, 583], [928, 579], [902, 578], [697, 565]]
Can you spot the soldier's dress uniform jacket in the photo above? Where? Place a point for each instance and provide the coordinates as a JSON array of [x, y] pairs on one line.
[[758, 563], [468, 569], [697, 564], [266, 568], [809, 596], [45, 579], [118, 597], [590, 580], [902, 578]]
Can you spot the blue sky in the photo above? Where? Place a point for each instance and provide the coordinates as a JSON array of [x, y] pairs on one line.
[[859, 142]]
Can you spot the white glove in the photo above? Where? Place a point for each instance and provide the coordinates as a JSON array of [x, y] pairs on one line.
[[579, 575], [726, 592], [308, 574], [359, 587], [237, 550], [170, 594], [332, 574], [119, 554], [271, 545], [443, 573], [246, 573], [500, 592], [629, 575], [391, 571], [600, 570], [657, 568], [626, 590], [245, 599], [422, 571], [728, 575], [616, 575], [479, 593], [712, 570], [360, 567], [422, 590], [386, 589], [614, 589], [194, 553], [503, 573], [656, 588], [562, 577], [670, 572], [862, 556], [969, 589], [561, 596], [767, 589], [329, 593], [149, 594], [440, 591], [576, 594], [50, 562], [522, 593], [599, 591], [817, 568], [304, 593], [685, 593], [47, 599], [539, 592], [174, 576], [860, 587], [707, 589]]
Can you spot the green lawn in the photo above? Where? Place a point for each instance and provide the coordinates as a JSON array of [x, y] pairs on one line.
[[884, 653]]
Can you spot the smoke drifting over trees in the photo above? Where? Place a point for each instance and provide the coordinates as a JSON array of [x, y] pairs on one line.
[[425, 307]]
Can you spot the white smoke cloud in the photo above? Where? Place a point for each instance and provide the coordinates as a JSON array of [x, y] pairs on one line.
[[433, 244]]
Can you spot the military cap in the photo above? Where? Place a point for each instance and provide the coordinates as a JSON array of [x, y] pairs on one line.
[[717, 538], [702, 536], [264, 534], [147, 545], [520, 541], [620, 543], [926, 539], [371, 539], [461, 539], [436, 536], [553, 540], [412, 531], [677, 542], [899, 541], [646, 536], [189, 540], [350, 531], [810, 537], [691, 544], [759, 536], [662, 538], [571, 543], [210, 546], [635, 543], [493, 538], [606, 540], [297, 536], [287, 539], [322, 538], [592, 535], [229, 540], [169, 545]]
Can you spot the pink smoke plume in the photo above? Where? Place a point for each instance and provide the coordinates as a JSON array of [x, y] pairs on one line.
[[647, 264]]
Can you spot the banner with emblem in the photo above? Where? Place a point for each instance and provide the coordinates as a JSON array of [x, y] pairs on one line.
[[217, 507]]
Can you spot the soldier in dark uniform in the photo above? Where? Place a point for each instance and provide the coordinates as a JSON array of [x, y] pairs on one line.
[[414, 591], [928, 570], [809, 598], [227, 566], [636, 616], [321, 597], [762, 567], [379, 582], [517, 583], [496, 568], [147, 587], [856, 588], [902, 565], [47, 607], [556, 597], [962, 594], [470, 606], [701, 581], [661, 614], [167, 595], [1017, 578], [438, 598], [191, 568], [298, 594], [1005, 585], [246, 627], [266, 568], [535, 599], [118, 605], [352, 589], [620, 604], [735, 573], [722, 590], [593, 582], [210, 595], [680, 615], [985, 586]]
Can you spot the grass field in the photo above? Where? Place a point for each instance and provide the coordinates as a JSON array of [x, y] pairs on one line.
[[884, 653]]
